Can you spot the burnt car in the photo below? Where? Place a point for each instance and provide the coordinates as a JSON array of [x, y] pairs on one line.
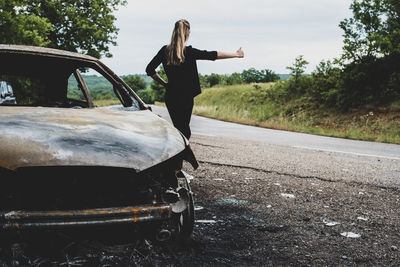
[[66, 163]]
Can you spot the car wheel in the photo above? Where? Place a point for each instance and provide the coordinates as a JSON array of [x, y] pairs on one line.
[[185, 220]]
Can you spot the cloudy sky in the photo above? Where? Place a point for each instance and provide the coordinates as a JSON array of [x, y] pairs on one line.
[[272, 33]]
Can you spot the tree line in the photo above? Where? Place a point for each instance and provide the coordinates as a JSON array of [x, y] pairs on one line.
[[367, 73], [156, 92]]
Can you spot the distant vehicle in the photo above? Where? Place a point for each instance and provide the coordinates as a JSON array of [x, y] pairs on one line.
[[6, 94], [66, 163]]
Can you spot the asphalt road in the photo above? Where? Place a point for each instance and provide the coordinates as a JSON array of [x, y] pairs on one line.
[[205, 126], [298, 154]]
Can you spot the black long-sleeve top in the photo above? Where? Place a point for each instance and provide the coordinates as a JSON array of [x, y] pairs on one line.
[[183, 79]]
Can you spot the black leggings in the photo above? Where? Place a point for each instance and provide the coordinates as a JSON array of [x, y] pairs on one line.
[[180, 111]]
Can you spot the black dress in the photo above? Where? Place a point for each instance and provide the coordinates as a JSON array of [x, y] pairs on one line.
[[183, 84]]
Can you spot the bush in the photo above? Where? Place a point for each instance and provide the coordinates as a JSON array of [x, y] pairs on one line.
[[325, 84], [146, 95], [371, 82], [102, 94], [157, 90], [214, 79], [158, 94], [135, 82]]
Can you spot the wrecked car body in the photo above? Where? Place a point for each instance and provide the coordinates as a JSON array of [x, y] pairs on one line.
[[65, 162]]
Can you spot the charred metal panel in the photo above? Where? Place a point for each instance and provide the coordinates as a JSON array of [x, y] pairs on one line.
[[41, 136], [43, 51], [83, 86], [105, 216]]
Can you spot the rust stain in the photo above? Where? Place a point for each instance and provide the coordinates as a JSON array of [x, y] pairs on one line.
[[34, 219], [19, 149], [134, 210]]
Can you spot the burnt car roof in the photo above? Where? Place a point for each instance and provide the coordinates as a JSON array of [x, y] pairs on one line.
[[43, 61], [44, 51]]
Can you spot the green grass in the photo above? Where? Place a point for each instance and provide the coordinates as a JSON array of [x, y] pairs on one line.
[[232, 103], [106, 102], [244, 104]]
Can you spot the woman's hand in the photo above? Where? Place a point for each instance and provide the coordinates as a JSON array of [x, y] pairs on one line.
[[160, 80], [222, 55], [240, 53]]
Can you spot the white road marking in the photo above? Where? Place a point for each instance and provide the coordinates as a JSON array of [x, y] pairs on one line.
[[197, 133], [346, 152]]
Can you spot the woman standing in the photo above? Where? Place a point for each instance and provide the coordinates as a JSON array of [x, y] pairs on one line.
[[179, 63]]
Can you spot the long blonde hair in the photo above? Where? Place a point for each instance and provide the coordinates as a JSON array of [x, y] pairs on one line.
[[175, 50]]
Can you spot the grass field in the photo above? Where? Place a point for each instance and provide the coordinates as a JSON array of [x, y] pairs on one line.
[[106, 102], [238, 104]]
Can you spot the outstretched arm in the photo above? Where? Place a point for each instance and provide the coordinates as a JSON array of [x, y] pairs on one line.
[[222, 55]]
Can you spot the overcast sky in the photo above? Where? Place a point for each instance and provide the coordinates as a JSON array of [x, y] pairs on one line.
[[272, 33]]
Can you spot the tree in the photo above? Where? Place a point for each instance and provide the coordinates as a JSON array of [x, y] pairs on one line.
[[373, 31], [270, 76], [371, 69], [75, 25], [234, 78], [298, 68], [136, 82], [257, 76], [19, 27], [213, 79]]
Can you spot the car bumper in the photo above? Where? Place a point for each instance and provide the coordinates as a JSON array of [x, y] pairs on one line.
[[101, 216]]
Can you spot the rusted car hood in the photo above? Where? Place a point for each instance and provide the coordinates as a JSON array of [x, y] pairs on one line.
[[40, 136]]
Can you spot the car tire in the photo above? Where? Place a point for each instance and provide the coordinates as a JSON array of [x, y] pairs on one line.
[[185, 219]]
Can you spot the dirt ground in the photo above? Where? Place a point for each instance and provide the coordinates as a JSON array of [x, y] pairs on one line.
[[245, 216]]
